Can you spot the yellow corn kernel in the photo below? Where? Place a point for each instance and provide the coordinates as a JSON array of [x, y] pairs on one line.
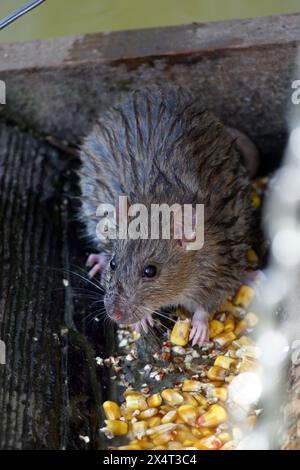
[[111, 410], [197, 432], [215, 328], [191, 386], [136, 402], [224, 361], [154, 400], [180, 332], [216, 373], [189, 399], [160, 448], [229, 323], [228, 307], [169, 417], [241, 327], [132, 392], [145, 444], [161, 428], [155, 421], [220, 393], [252, 256], [188, 413], [200, 399], [172, 397], [215, 415], [224, 338], [149, 413], [247, 365], [224, 437], [253, 352], [230, 445], [115, 427], [139, 428], [130, 447], [162, 438], [174, 445], [251, 319], [256, 201], [244, 296], [243, 341], [209, 443]]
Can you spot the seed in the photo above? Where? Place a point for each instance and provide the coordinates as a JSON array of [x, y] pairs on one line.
[[188, 413], [154, 400], [111, 410], [169, 417], [220, 393], [191, 386], [136, 402], [216, 373], [215, 328], [252, 256], [139, 428], [215, 415], [224, 361], [172, 397], [180, 332], [149, 413], [209, 443], [244, 296], [115, 427], [224, 338], [229, 323]]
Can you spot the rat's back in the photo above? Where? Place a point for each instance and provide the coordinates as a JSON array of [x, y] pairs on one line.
[[159, 145]]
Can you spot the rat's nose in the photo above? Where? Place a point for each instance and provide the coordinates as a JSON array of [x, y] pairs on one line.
[[116, 314]]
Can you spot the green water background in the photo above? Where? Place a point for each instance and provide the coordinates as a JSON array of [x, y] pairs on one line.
[[66, 17]]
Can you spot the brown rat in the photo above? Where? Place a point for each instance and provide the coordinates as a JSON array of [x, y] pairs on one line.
[[161, 146]]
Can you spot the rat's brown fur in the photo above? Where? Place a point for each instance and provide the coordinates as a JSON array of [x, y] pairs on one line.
[[162, 146]]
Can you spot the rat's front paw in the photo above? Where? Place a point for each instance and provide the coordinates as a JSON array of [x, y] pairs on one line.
[[144, 324], [97, 262], [200, 330]]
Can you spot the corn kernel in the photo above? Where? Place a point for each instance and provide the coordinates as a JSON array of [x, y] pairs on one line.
[[189, 399], [247, 365], [145, 444], [160, 448], [224, 338], [149, 413], [209, 443], [166, 408], [241, 327], [256, 201], [228, 307], [111, 410], [130, 447], [161, 428], [153, 422], [180, 332], [188, 413], [154, 400], [200, 399], [228, 446], [191, 386], [253, 352], [162, 438], [229, 323], [243, 341], [174, 445], [215, 328], [224, 437], [172, 397], [251, 319], [136, 402], [115, 427], [169, 417], [220, 393], [139, 428], [252, 256], [244, 296], [216, 373], [224, 361], [215, 415]]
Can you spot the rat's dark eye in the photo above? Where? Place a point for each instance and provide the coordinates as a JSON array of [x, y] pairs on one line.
[[113, 264], [149, 271]]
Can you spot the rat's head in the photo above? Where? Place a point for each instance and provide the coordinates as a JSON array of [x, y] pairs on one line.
[[144, 275]]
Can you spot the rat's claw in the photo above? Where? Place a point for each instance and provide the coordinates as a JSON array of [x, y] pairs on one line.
[[97, 262], [199, 332]]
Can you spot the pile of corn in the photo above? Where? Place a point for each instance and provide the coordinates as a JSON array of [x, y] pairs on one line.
[[198, 413]]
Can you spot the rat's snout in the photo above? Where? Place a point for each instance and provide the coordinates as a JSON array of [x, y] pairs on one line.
[[116, 314]]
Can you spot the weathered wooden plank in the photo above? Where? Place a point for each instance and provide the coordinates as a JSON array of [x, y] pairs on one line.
[[241, 70]]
